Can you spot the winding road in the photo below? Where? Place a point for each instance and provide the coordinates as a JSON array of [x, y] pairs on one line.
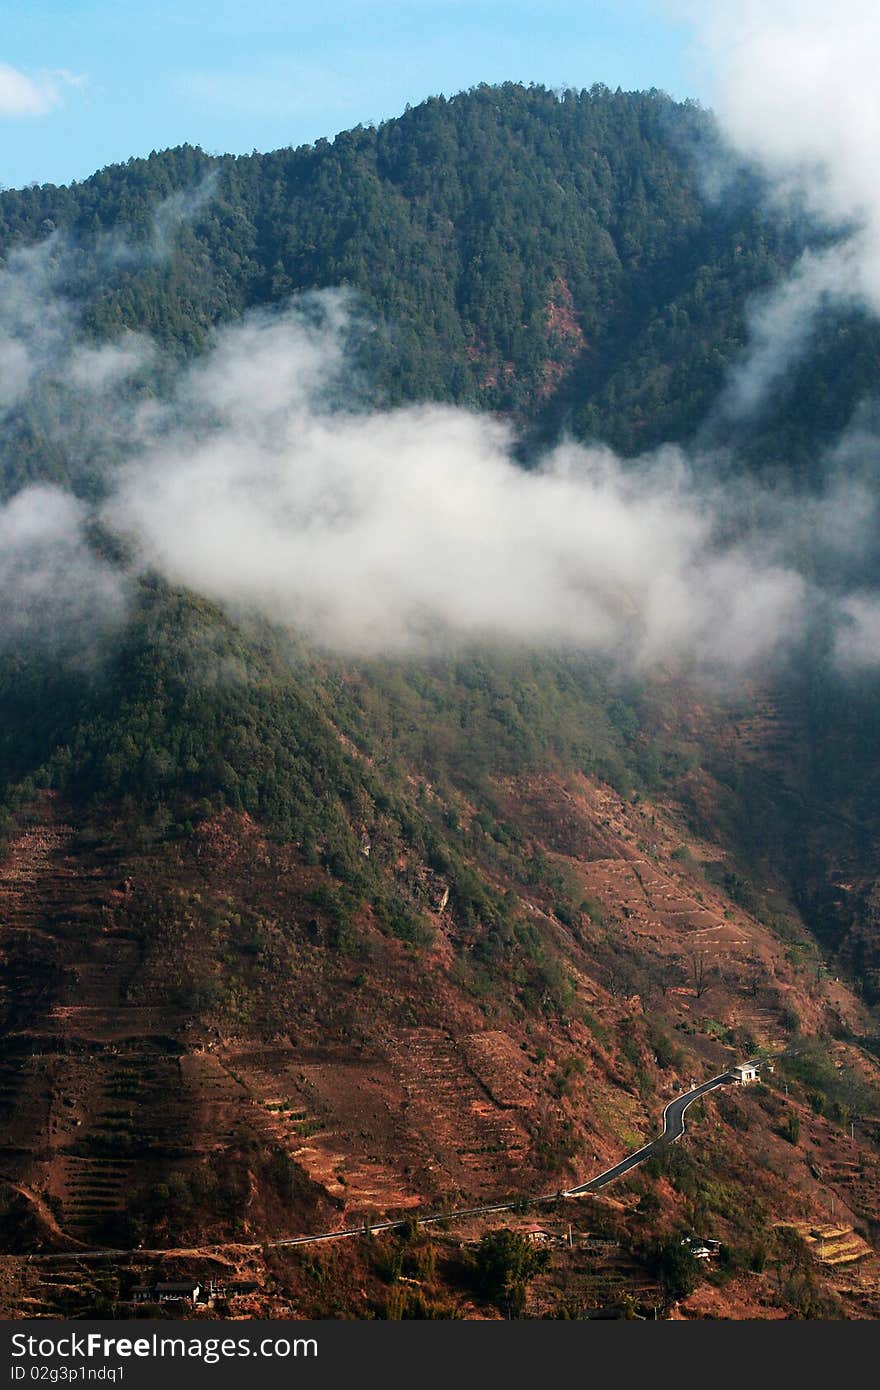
[[673, 1128]]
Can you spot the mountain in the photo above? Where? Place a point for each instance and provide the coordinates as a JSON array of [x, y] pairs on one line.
[[558, 258], [294, 940]]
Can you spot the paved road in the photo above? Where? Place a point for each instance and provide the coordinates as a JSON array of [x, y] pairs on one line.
[[457, 1215], [673, 1128]]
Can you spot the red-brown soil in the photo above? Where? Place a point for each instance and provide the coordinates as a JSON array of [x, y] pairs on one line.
[[174, 1010]]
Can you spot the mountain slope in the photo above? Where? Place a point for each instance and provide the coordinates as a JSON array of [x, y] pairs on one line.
[[288, 939], [510, 249]]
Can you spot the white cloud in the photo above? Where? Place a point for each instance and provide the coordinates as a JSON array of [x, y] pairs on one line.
[[857, 643], [54, 590], [33, 95], [782, 321], [393, 531], [95, 371], [796, 91], [40, 339], [408, 529]]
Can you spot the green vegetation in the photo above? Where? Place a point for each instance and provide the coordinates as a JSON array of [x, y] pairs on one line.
[[505, 1262], [833, 1090], [190, 715], [550, 256], [512, 249], [676, 1267]]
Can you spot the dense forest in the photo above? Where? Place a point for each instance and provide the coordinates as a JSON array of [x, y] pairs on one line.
[[555, 258], [301, 934]]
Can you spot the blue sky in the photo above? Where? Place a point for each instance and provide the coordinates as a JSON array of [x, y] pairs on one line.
[[84, 84]]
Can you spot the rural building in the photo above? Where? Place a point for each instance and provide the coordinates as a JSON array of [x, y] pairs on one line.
[[701, 1249], [184, 1292], [538, 1236], [744, 1072]]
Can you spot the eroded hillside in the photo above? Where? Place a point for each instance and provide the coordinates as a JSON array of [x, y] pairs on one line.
[[211, 1039]]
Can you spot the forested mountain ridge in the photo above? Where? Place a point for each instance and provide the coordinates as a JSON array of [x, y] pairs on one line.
[[294, 939], [511, 249]]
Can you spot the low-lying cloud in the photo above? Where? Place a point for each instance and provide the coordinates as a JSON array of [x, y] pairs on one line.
[[55, 590], [259, 479], [401, 530], [795, 91], [416, 530], [43, 348]]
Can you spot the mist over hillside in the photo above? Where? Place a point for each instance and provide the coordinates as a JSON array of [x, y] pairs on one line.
[[550, 241], [520, 371], [438, 625]]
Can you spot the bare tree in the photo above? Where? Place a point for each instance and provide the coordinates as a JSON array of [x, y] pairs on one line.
[[699, 973]]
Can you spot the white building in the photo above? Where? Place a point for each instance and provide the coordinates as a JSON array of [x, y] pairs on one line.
[[744, 1072], [698, 1248]]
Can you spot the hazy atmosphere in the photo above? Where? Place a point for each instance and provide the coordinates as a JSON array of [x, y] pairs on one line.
[[264, 481], [389, 530], [439, 674]]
